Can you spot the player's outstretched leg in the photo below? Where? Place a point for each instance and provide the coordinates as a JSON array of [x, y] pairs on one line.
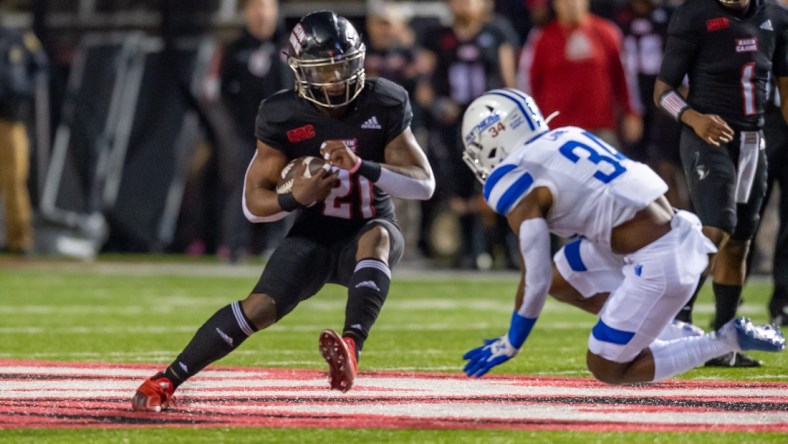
[[154, 395], [340, 354], [679, 329], [219, 335], [674, 357]]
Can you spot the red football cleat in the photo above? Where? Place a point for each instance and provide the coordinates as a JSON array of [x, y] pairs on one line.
[[154, 395], [340, 354]]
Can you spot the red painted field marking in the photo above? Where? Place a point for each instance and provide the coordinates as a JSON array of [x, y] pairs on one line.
[[40, 394]]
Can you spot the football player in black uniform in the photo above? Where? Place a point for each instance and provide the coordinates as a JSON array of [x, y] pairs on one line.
[[727, 48], [466, 58], [345, 232]]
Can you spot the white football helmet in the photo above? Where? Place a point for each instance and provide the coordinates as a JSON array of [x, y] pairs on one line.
[[494, 124]]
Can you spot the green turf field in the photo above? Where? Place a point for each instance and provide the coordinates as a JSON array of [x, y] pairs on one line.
[[145, 312]]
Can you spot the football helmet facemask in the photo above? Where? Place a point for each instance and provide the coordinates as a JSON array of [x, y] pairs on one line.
[[738, 4], [327, 56], [494, 124]]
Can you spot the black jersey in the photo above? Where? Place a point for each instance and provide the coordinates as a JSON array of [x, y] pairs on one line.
[[728, 58], [297, 128], [466, 69]]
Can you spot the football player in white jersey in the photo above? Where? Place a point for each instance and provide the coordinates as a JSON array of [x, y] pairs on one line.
[[567, 182]]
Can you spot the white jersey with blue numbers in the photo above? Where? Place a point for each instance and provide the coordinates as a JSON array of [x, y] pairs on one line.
[[594, 187]]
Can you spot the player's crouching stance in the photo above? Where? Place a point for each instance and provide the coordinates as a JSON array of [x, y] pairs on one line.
[[345, 231], [568, 182]]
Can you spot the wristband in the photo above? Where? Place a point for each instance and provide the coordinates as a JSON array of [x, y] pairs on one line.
[[519, 329], [673, 104], [288, 202], [356, 166], [369, 169]]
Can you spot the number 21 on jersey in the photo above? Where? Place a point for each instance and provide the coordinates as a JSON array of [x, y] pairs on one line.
[[352, 198]]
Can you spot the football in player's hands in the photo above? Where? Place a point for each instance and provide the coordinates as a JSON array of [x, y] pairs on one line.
[[312, 166]]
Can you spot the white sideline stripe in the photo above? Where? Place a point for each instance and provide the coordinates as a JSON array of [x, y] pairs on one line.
[[217, 383], [168, 355], [481, 326], [163, 306], [483, 410], [145, 356]]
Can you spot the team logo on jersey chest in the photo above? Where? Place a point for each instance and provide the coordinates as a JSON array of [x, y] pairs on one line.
[[747, 45], [717, 23], [301, 134]]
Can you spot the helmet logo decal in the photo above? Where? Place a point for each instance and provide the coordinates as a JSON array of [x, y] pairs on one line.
[[296, 37], [486, 123]]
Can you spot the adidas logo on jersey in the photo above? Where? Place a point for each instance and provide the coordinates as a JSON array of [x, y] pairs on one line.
[[371, 123], [767, 25]]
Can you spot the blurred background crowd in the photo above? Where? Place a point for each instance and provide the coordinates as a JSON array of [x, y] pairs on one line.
[[139, 114]]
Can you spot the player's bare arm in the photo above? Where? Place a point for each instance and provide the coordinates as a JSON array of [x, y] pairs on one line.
[[527, 219], [406, 172], [709, 127], [646, 226], [535, 205], [782, 84], [404, 156], [507, 63]]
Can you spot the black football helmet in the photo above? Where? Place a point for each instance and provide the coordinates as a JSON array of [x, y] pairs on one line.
[[327, 56]]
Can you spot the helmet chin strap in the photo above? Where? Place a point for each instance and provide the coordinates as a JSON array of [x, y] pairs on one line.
[[552, 116]]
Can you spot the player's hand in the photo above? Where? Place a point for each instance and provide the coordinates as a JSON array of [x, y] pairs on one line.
[[631, 128], [446, 110], [493, 352], [308, 190], [712, 129], [338, 154]]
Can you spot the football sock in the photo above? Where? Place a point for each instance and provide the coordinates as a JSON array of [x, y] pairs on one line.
[[367, 290], [685, 314], [680, 355], [218, 336], [677, 330], [726, 301]]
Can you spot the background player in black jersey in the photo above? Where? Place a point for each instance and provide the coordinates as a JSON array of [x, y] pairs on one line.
[[464, 59], [776, 133], [346, 231], [728, 48]]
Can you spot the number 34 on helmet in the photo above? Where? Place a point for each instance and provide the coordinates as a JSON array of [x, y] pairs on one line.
[[496, 123]]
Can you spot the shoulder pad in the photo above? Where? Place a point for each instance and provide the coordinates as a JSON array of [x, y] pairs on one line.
[[386, 92], [279, 107]]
